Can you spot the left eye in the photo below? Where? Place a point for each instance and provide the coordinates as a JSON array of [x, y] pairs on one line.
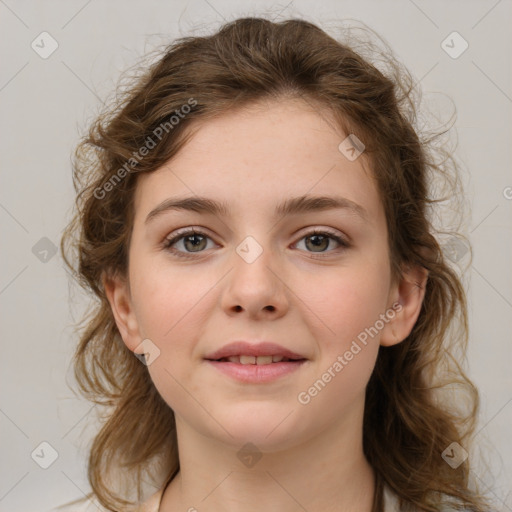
[[195, 241], [321, 240]]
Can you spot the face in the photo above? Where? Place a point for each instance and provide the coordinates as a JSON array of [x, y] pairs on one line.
[[252, 274]]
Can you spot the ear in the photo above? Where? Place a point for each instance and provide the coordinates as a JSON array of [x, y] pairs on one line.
[[118, 294], [406, 299]]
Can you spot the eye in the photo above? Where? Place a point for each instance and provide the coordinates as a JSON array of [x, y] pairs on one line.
[[193, 240], [321, 240]]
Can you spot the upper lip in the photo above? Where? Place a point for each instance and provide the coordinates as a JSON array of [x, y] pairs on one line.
[[243, 348]]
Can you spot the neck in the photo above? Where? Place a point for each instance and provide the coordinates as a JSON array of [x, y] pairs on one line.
[[327, 472]]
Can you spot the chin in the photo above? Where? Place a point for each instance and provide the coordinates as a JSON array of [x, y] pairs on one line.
[[270, 427]]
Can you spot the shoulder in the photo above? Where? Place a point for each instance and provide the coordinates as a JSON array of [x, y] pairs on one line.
[[392, 503], [88, 504]]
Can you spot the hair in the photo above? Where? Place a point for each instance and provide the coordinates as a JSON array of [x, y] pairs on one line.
[[407, 423]]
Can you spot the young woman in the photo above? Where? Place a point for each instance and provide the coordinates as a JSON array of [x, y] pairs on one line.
[[275, 312]]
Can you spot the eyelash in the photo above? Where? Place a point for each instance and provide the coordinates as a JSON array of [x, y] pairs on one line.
[[168, 242]]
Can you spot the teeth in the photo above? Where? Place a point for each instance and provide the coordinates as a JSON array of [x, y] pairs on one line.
[[255, 360], [264, 360]]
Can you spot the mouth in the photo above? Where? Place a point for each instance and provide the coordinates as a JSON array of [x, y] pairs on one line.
[[257, 373], [257, 360], [253, 353], [255, 363]]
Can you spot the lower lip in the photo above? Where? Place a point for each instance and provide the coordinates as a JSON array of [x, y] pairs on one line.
[[257, 373]]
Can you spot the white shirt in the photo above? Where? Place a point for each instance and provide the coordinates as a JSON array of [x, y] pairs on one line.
[[153, 504]]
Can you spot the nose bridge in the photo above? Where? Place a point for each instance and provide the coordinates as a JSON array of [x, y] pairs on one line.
[[254, 260], [254, 281], [250, 249]]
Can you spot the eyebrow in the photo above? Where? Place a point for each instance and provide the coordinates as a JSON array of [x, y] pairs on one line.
[[292, 206]]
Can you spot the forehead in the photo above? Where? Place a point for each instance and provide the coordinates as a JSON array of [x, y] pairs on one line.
[[257, 156]]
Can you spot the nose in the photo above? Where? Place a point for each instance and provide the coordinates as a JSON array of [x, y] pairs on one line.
[[256, 284]]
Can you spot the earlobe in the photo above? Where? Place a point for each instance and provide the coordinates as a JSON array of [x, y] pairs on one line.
[[408, 295], [118, 295]]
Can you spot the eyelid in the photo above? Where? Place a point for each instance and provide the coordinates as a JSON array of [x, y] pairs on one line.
[[182, 233], [323, 230]]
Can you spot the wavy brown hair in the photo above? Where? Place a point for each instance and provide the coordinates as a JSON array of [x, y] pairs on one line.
[[408, 422]]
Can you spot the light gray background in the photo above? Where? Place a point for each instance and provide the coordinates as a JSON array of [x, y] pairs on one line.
[[46, 102]]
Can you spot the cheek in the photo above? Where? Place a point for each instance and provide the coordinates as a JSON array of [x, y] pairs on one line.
[[345, 302], [347, 307], [167, 299], [171, 309]]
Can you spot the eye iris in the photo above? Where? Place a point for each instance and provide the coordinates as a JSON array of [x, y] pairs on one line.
[[195, 245], [318, 243]]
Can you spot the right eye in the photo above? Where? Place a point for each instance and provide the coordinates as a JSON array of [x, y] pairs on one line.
[[192, 239]]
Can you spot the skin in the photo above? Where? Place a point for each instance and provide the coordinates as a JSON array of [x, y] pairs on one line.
[[312, 455]]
